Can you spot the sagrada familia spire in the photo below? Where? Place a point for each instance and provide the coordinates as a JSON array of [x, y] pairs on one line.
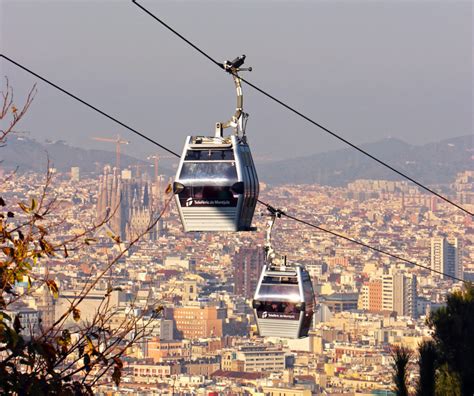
[[127, 203]]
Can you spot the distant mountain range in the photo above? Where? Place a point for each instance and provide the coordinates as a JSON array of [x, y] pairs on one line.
[[27, 154], [431, 163]]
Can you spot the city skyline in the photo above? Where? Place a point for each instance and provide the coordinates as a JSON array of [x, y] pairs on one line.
[[120, 278], [365, 302]]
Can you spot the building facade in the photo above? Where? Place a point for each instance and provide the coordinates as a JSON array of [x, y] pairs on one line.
[[399, 293], [198, 320], [247, 264], [254, 359], [370, 298], [446, 256]]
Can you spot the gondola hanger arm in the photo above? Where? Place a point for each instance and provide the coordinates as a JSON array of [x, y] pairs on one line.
[[272, 258], [236, 121]]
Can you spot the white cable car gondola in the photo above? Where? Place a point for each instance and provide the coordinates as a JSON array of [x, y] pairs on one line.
[[284, 300], [216, 185]]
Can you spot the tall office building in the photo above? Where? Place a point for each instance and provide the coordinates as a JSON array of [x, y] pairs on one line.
[[446, 256], [247, 263], [399, 293]]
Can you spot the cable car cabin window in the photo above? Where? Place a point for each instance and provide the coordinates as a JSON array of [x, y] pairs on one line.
[[209, 171], [207, 196], [308, 293], [280, 292], [209, 155], [286, 280], [278, 310]]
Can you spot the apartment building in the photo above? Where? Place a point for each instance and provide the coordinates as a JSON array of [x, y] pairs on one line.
[[254, 359], [247, 263], [198, 320], [446, 256], [399, 293]]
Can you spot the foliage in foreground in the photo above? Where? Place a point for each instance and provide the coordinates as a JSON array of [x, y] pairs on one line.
[[446, 363], [58, 359]]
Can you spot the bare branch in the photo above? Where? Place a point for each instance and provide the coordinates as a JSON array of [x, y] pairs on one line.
[[8, 105]]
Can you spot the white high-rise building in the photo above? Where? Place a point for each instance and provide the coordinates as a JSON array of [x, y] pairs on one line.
[[399, 293], [75, 173], [446, 256]]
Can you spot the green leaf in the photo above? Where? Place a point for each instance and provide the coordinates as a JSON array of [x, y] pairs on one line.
[[46, 247], [23, 207], [34, 204], [114, 237], [76, 314], [90, 345], [66, 334], [4, 315]]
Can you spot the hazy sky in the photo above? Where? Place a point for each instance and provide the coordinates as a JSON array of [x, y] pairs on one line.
[[366, 69]]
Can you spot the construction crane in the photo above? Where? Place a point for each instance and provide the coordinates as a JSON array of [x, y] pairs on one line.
[[156, 158], [138, 168], [118, 141]]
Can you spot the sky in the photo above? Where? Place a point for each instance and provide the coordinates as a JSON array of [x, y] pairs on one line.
[[367, 70]]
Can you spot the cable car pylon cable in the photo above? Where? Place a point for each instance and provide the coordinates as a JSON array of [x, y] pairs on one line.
[[300, 114], [89, 105], [259, 201], [378, 250], [216, 185], [284, 300]]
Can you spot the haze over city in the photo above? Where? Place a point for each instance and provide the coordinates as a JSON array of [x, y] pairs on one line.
[[250, 259], [366, 69]]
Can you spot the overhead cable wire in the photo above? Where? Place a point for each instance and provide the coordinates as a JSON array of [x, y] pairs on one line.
[[300, 114], [89, 105], [259, 201], [352, 240]]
